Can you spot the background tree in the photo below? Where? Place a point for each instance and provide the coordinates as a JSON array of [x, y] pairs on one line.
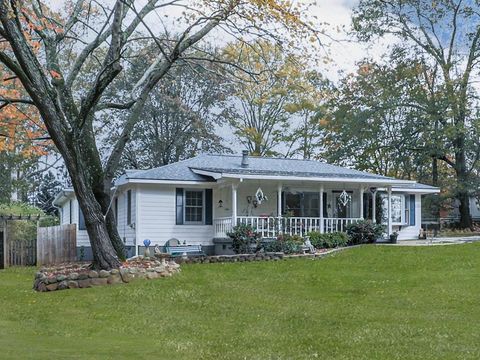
[[263, 105], [446, 34], [46, 51], [180, 118], [23, 140]]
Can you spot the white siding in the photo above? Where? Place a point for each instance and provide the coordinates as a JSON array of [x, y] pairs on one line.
[[126, 232], [158, 218], [65, 213]]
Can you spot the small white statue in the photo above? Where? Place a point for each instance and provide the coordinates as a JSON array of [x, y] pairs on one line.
[[309, 245]]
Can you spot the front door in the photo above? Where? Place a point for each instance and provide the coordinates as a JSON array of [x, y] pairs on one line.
[[342, 210]]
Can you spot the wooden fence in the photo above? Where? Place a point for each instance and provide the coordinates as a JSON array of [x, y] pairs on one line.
[[56, 244], [21, 252]]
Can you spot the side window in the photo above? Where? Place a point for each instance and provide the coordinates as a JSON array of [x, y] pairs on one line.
[[81, 220]]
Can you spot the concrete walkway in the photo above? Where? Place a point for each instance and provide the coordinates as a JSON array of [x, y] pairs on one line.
[[436, 241]]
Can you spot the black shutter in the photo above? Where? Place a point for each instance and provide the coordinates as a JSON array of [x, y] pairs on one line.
[[208, 207], [116, 211], [179, 206], [81, 220], [325, 209], [129, 207]]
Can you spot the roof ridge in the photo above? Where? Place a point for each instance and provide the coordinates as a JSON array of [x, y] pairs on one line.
[[294, 159], [167, 165]]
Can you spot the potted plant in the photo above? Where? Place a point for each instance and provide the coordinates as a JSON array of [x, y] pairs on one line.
[[394, 237]]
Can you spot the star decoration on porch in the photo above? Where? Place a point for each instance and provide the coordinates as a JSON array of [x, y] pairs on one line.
[[344, 198], [260, 196]]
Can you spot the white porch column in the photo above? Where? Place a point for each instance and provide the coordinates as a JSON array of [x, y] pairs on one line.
[[374, 206], [279, 200], [389, 211], [321, 190], [361, 202], [279, 207], [234, 204]]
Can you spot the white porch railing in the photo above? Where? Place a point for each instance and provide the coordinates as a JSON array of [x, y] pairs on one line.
[[269, 227], [222, 226]]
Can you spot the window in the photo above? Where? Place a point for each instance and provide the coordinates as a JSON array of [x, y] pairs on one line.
[[129, 207], [194, 206], [81, 220], [302, 204]]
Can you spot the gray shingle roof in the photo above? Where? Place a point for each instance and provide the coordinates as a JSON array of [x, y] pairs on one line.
[[231, 164]]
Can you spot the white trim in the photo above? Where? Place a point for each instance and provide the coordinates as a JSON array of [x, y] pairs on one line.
[[214, 175], [167, 182], [412, 190], [322, 179]]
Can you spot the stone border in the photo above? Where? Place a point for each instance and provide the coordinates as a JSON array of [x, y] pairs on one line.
[[72, 276], [268, 256]]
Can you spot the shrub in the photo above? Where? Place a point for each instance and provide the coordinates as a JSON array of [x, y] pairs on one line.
[[364, 232], [288, 244], [245, 239], [328, 240]]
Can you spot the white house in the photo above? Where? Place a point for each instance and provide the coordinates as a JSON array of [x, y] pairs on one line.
[[199, 200]]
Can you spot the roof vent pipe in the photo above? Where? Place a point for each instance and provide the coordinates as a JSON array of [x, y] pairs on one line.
[[244, 158]]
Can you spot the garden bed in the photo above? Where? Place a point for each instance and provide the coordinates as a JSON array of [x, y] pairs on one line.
[[79, 275]]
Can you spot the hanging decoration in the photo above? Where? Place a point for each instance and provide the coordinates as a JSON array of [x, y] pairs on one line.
[[344, 198], [260, 196]]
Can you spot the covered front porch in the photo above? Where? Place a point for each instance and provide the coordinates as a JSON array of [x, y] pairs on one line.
[[294, 207]]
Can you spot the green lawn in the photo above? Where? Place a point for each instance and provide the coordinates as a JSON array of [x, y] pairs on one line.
[[372, 302]]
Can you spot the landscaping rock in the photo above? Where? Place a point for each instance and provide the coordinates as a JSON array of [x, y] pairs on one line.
[[126, 276], [85, 283], [61, 278], [72, 284], [82, 276], [52, 287], [104, 274], [99, 281], [63, 285], [114, 279], [152, 275], [73, 276], [42, 287], [51, 279], [92, 274], [159, 269], [114, 271]]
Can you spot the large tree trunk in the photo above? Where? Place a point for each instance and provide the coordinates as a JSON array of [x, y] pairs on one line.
[[104, 254], [105, 201], [462, 184]]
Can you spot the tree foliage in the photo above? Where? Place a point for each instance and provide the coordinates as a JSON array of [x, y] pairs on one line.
[[47, 51], [444, 37], [272, 87]]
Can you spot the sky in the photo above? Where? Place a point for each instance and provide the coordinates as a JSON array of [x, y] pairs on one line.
[[344, 51]]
